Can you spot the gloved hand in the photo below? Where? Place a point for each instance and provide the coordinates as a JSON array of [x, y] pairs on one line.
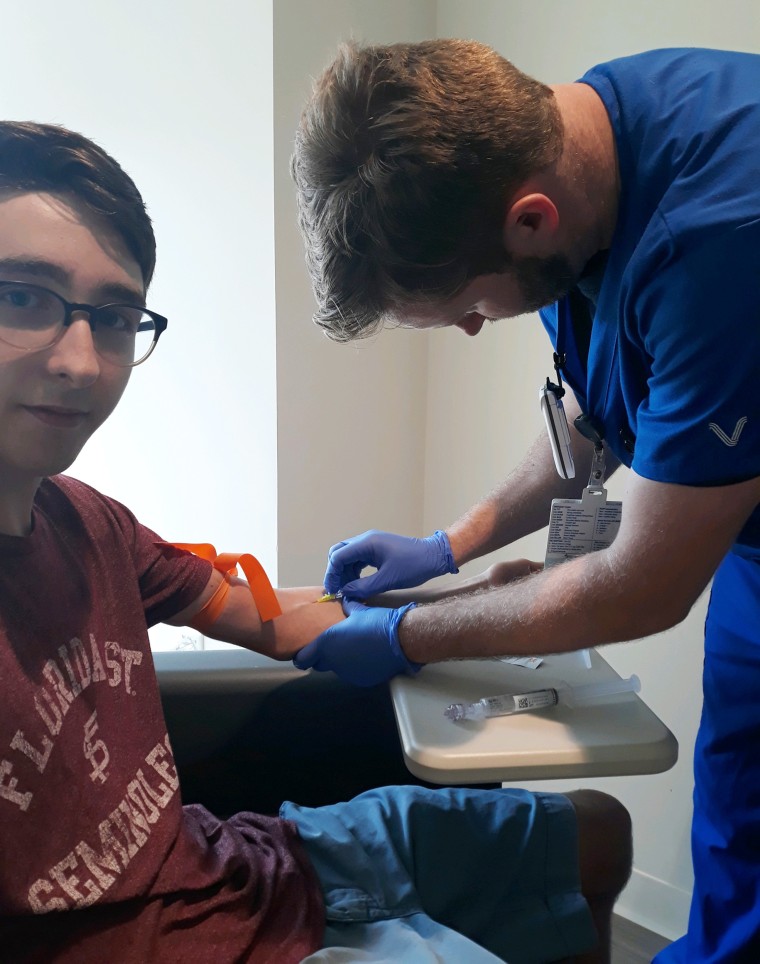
[[363, 649], [400, 561]]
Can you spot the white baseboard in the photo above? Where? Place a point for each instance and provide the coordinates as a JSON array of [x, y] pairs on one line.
[[655, 904]]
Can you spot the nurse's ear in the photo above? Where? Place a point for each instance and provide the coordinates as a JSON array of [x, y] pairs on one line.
[[530, 226]]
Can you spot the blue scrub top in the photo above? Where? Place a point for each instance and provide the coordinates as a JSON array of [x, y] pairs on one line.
[[674, 360]]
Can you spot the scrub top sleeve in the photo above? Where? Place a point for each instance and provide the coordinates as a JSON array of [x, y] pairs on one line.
[[698, 324]]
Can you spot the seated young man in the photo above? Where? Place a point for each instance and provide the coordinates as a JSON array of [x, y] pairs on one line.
[[100, 860]]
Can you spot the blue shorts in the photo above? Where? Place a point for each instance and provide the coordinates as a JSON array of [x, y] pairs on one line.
[[456, 875], [724, 921]]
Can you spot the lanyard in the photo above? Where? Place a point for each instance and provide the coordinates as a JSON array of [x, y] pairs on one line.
[[573, 311]]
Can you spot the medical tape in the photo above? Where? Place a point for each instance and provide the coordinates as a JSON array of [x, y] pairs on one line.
[[261, 589]]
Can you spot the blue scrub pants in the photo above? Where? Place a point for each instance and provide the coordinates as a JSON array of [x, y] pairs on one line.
[[724, 922]]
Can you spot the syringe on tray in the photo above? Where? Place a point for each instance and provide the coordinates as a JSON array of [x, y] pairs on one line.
[[562, 694]]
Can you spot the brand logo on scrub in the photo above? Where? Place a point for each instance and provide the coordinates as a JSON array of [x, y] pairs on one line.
[[733, 439]]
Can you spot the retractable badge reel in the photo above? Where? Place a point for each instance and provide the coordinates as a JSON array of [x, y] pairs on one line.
[[550, 395]]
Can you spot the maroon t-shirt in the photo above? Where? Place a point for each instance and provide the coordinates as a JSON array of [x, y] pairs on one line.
[[99, 860]]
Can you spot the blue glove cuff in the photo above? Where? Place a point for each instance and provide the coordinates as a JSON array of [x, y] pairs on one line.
[[406, 665], [448, 557]]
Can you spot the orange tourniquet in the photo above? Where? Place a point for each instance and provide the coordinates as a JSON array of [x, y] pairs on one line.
[[227, 562], [205, 618]]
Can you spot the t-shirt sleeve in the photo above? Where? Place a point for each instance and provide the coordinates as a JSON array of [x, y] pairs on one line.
[[169, 579], [699, 327]]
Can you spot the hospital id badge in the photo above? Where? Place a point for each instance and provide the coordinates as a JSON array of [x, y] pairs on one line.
[[579, 526]]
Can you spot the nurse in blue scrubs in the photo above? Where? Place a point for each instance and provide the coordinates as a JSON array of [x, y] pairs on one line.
[[626, 207]]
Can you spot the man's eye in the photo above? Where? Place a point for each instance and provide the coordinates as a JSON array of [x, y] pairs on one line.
[[18, 298], [122, 320]]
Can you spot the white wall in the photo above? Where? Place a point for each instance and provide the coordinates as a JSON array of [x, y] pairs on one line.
[[351, 419], [180, 92], [493, 415]]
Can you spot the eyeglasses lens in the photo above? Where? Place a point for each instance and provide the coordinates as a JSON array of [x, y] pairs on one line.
[[123, 335], [29, 316], [32, 318]]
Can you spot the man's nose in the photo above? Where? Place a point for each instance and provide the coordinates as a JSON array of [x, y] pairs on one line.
[[73, 356]]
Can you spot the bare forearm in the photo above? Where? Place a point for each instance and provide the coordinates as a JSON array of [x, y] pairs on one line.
[[521, 504], [496, 575], [280, 638], [671, 540], [572, 606], [291, 598], [301, 621]]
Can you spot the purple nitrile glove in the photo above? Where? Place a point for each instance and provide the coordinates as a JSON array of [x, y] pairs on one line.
[[363, 649], [401, 562]]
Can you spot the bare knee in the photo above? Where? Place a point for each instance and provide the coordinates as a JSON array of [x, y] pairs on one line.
[[605, 848]]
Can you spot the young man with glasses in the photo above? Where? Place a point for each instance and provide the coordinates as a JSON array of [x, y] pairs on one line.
[[100, 860]]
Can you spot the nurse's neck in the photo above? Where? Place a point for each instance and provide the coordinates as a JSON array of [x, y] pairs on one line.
[[588, 165]]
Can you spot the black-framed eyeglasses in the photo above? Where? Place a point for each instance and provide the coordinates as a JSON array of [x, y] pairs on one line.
[[33, 318]]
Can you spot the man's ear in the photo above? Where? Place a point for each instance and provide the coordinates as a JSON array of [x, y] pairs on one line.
[[530, 226]]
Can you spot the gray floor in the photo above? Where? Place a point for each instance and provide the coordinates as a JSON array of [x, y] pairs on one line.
[[632, 944]]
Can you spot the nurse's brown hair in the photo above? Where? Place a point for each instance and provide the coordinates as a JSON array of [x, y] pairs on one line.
[[405, 158]]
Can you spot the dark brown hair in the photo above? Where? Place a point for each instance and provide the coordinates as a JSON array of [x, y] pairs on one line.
[[45, 157], [404, 160]]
